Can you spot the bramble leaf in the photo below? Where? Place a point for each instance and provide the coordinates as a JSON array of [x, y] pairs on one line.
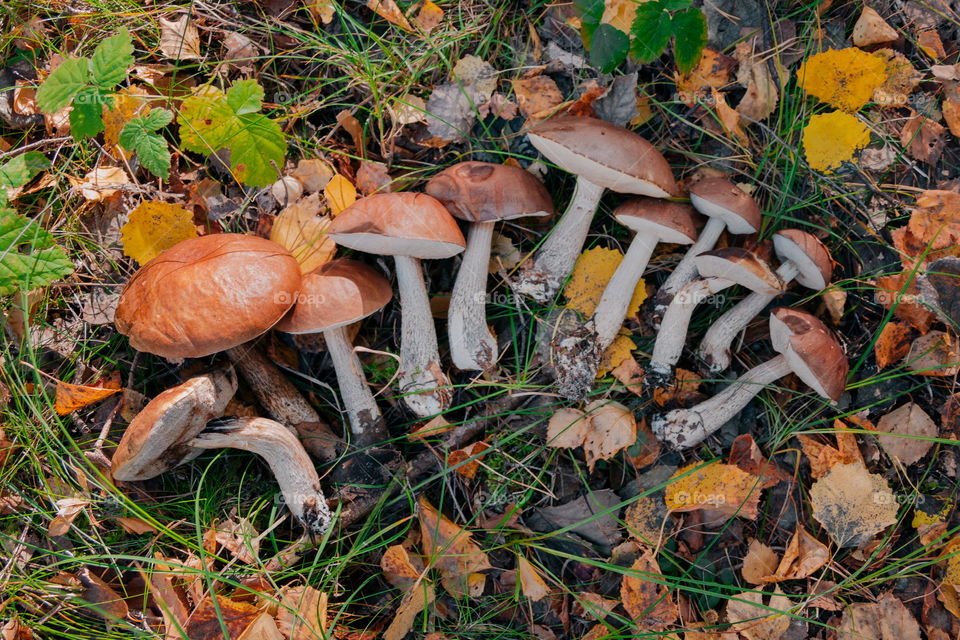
[[139, 136], [689, 38], [20, 170], [110, 60], [28, 256], [63, 84], [245, 96], [590, 12], [86, 117], [608, 48], [675, 5], [651, 32]]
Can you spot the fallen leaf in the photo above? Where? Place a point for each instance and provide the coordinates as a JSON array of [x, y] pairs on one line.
[[208, 620], [450, 548], [721, 487], [536, 96], [729, 117], [802, 557], [498, 106], [619, 351], [630, 375], [503, 254], [179, 39], [712, 72], [871, 28], [746, 456], [843, 78], [852, 504], [429, 17], [754, 620], [372, 177], [531, 582], [136, 526], [834, 299], [414, 601], [683, 391], [467, 469], [891, 293], [407, 109], [70, 397], [322, 10], [886, 619], [302, 614], [830, 139], [239, 48], [67, 511], [923, 138], [930, 43], [593, 606], [612, 429], [128, 103], [154, 227], [759, 564], [823, 457], [398, 567], [648, 521], [389, 11], [910, 430], [567, 428], [263, 627], [477, 74], [303, 232], [591, 273], [933, 354], [340, 194], [592, 516], [648, 603], [901, 79], [760, 99], [240, 538], [313, 174], [892, 344], [107, 603], [951, 115], [431, 428], [619, 14], [352, 126], [101, 184]]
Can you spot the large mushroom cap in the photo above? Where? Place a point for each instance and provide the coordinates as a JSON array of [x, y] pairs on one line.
[[338, 293], [398, 224], [811, 350], [486, 192], [740, 266], [605, 154], [156, 440], [808, 253], [207, 294], [720, 198], [672, 222]]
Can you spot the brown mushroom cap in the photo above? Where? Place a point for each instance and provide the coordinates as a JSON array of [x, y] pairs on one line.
[[605, 154], [718, 197], [486, 192], [207, 294], [398, 224], [811, 350], [741, 266], [808, 253], [672, 222], [155, 441], [338, 293]]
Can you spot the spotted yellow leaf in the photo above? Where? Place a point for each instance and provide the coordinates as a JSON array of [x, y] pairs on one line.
[[340, 194], [843, 78], [154, 227], [721, 487]]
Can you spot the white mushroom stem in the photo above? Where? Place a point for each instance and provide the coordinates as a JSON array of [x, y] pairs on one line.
[[542, 278], [714, 350], [358, 400], [472, 346], [672, 337], [287, 458], [422, 381], [686, 269], [683, 428], [612, 308]]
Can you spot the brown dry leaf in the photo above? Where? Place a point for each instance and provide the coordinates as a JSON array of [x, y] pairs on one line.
[[448, 547], [109, 604], [612, 429], [400, 569], [567, 428], [746, 455], [372, 177], [870, 29], [823, 457], [240, 538], [340, 194], [154, 227], [70, 397], [100, 184], [503, 254], [591, 273], [886, 619], [205, 622], [712, 72], [934, 354], [890, 291], [684, 391], [648, 521], [313, 174], [467, 469], [263, 627], [910, 428], [728, 116], [951, 574], [531, 582], [804, 555], [754, 621], [352, 126], [835, 300], [136, 526], [630, 375], [951, 115], [892, 344], [648, 603], [759, 564], [852, 504], [935, 222], [303, 231], [429, 17], [923, 138], [414, 601], [761, 97], [930, 43], [536, 96], [431, 428], [389, 11], [67, 511], [179, 39], [128, 103], [902, 79], [593, 606], [322, 10], [722, 487], [302, 614]]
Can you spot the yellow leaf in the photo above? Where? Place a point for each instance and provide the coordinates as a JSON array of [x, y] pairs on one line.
[[303, 231], [646, 599], [389, 11], [128, 103], [619, 14], [340, 193], [830, 139], [590, 275], [322, 10], [429, 17], [619, 350], [531, 583], [154, 227], [722, 487], [843, 78], [952, 575]]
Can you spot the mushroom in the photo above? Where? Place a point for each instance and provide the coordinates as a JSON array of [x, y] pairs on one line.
[[482, 194], [216, 293], [806, 348], [176, 426], [803, 258], [719, 269], [726, 206], [603, 156], [578, 358], [410, 227], [332, 297]]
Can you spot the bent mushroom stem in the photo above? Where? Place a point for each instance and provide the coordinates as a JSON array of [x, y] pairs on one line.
[[420, 374], [612, 309], [365, 421], [541, 278], [287, 458], [472, 346], [684, 428], [714, 349], [686, 269]]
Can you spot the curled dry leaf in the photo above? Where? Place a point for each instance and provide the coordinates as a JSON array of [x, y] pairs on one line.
[[303, 231], [754, 620], [823, 457], [648, 602], [531, 582], [372, 177], [429, 17], [712, 72], [467, 468], [240, 538], [179, 39], [313, 174], [389, 11], [852, 504], [603, 430], [101, 184], [934, 354], [746, 455], [109, 604], [205, 623], [536, 96], [302, 614], [448, 547], [910, 432], [871, 28], [924, 139], [899, 291], [761, 97], [721, 487], [802, 557], [154, 227]]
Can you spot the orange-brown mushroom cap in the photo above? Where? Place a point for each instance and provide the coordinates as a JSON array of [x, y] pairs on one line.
[[487, 192], [720, 197], [811, 350], [740, 266], [808, 253], [673, 222], [207, 294], [338, 293]]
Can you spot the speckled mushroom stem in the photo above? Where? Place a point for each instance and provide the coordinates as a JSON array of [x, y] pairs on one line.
[[612, 309], [422, 381], [684, 428], [686, 269], [287, 458], [284, 402], [472, 346], [714, 349], [366, 424], [542, 277]]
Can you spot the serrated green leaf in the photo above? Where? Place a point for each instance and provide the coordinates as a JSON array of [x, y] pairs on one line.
[[609, 48], [151, 149], [590, 12], [63, 84], [206, 121], [21, 169], [156, 119], [28, 256], [675, 5], [86, 117], [651, 31], [690, 37], [111, 59], [258, 152], [245, 96]]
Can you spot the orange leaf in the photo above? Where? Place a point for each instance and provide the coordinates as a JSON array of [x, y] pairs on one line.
[[71, 397], [389, 11], [647, 602], [429, 17], [722, 487], [467, 469], [892, 344]]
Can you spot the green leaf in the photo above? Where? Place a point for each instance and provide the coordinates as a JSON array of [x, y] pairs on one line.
[[21, 169], [609, 48], [245, 96], [690, 37], [675, 5], [28, 256], [63, 84], [590, 12], [206, 121], [86, 117], [651, 32], [151, 149], [111, 59], [257, 154]]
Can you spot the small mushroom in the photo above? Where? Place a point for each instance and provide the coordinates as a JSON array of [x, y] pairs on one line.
[[719, 269], [332, 297], [603, 156], [727, 207], [654, 221], [802, 258], [176, 425], [806, 348], [216, 293], [482, 194], [410, 227]]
